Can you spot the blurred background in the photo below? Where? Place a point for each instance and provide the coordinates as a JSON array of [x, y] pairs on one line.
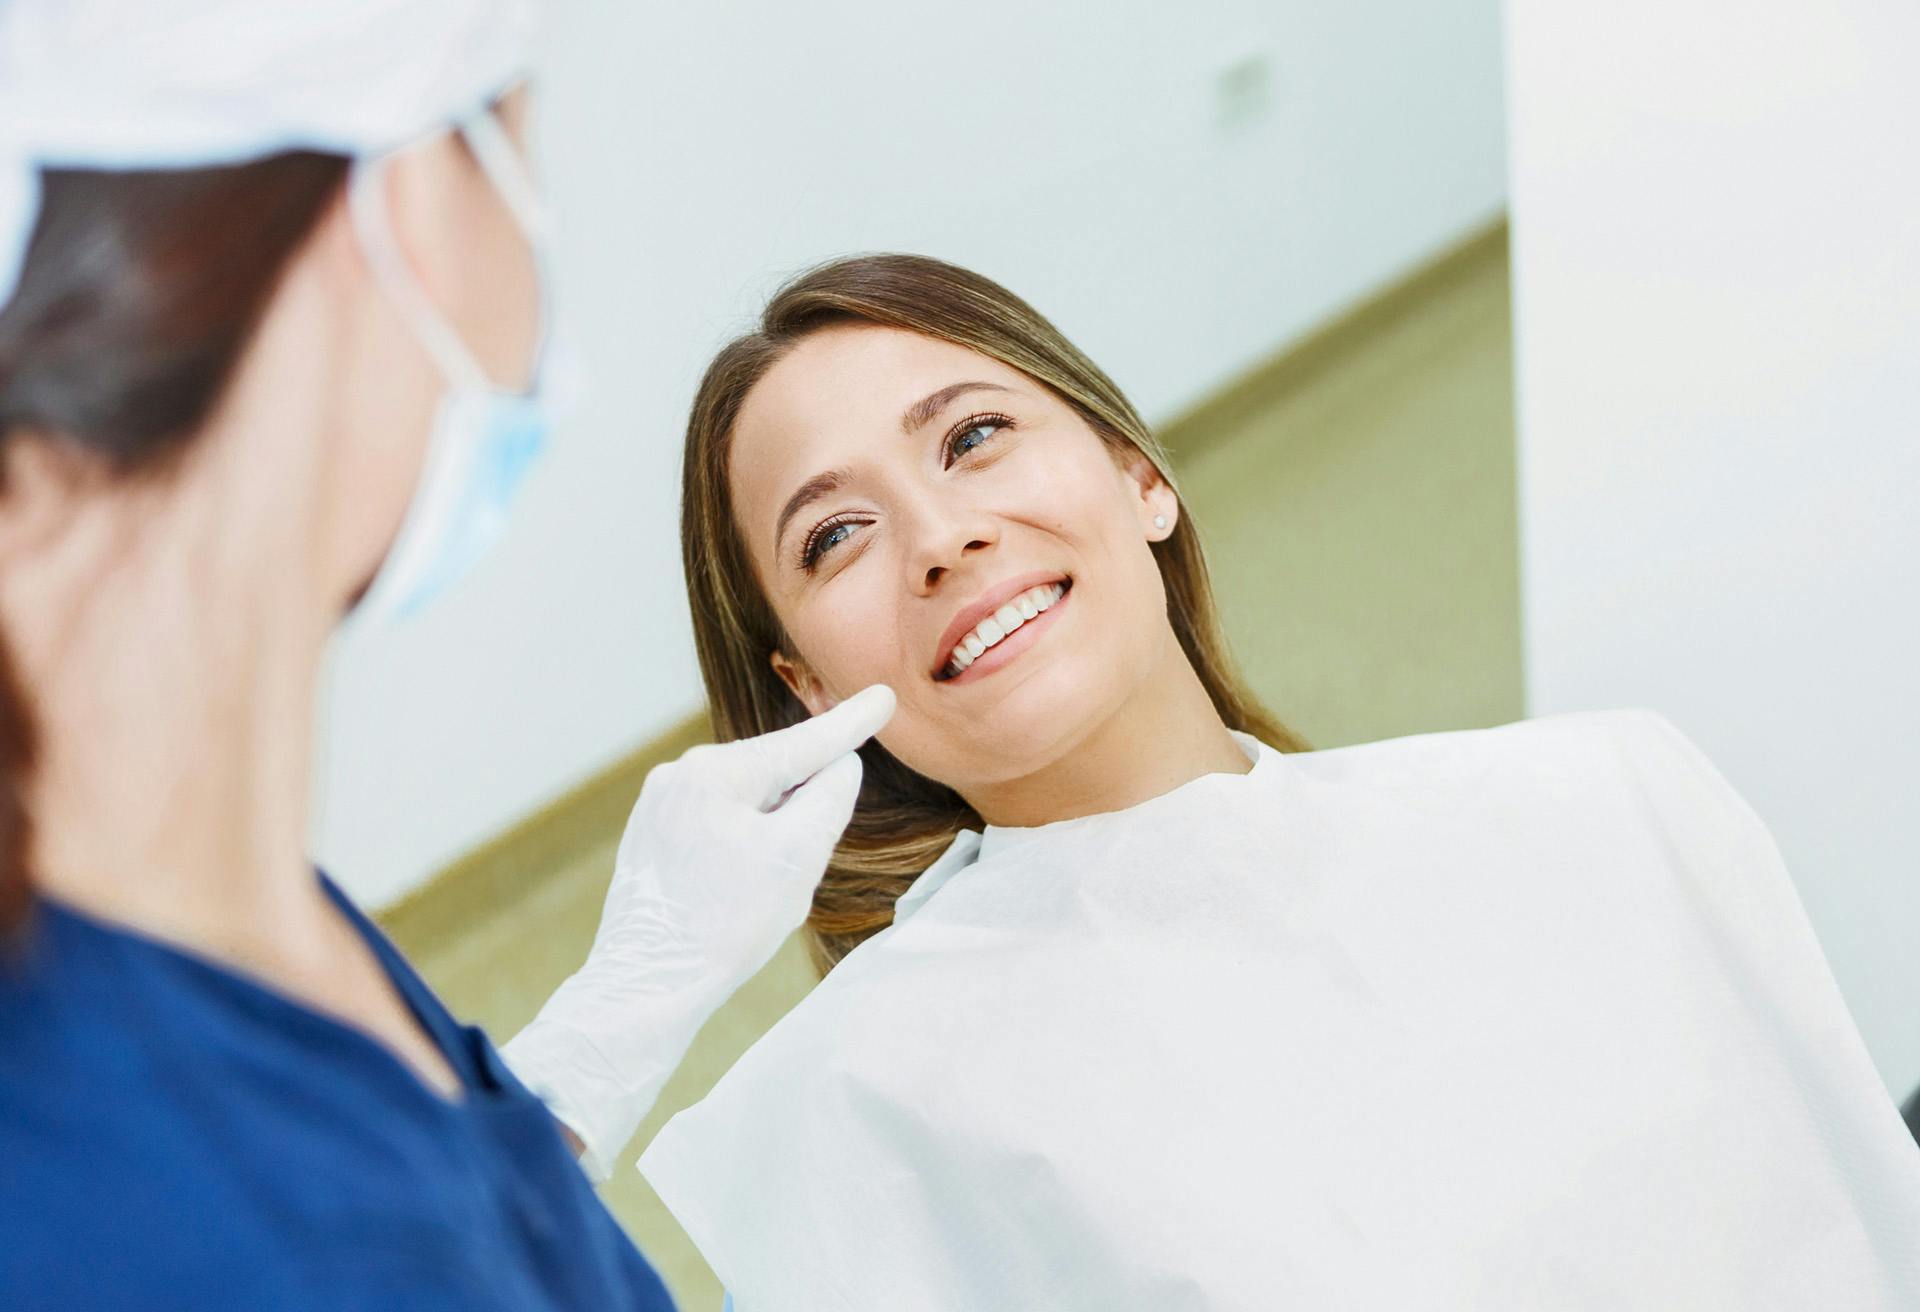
[[1513, 363]]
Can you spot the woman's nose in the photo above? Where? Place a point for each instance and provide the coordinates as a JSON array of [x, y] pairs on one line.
[[945, 537]]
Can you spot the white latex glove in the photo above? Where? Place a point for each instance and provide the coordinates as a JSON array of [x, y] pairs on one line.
[[717, 867]]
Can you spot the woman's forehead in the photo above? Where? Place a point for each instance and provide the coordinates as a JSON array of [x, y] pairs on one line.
[[855, 372]]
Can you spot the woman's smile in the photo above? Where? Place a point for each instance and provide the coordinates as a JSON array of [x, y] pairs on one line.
[[992, 632]]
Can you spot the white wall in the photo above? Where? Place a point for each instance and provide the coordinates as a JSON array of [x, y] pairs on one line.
[[1086, 155], [1716, 241]]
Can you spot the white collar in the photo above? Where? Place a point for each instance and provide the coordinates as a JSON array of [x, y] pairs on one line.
[[968, 844], [959, 855]]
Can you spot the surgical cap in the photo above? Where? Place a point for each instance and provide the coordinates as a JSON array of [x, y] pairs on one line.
[[161, 84]]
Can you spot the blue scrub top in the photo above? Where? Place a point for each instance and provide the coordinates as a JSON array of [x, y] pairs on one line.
[[173, 1135]]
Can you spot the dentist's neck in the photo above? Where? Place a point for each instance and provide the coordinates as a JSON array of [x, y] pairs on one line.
[[172, 639], [1167, 734]]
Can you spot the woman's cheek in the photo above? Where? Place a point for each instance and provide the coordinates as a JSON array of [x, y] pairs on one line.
[[851, 638], [1068, 488]]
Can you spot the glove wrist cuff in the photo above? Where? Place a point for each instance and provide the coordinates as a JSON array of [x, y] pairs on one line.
[[599, 1061]]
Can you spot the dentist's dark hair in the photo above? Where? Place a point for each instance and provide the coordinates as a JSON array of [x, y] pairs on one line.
[[903, 820], [137, 299]]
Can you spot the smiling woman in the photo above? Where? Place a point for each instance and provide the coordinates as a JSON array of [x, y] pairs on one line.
[[1142, 1031], [907, 475]]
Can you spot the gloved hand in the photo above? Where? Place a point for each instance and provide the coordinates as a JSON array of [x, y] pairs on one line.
[[716, 868]]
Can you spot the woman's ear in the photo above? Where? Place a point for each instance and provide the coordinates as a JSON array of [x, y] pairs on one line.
[[804, 684], [1158, 505]]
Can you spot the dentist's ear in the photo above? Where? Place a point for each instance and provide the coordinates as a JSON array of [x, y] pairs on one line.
[[804, 684], [41, 484]]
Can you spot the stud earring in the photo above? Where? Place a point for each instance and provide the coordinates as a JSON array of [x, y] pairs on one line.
[[1159, 521]]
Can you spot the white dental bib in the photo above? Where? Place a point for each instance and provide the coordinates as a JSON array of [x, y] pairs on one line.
[[1526, 1018]]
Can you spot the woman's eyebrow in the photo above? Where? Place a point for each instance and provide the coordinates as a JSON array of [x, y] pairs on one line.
[[820, 485], [916, 416], [927, 407]]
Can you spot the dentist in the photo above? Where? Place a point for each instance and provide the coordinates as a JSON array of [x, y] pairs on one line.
[[273, 325]]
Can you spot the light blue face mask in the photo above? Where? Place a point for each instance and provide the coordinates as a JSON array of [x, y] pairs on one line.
[[484, 438]]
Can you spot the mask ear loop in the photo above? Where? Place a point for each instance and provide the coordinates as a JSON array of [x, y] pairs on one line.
[[367, 204], [506, 167], [503, 164]]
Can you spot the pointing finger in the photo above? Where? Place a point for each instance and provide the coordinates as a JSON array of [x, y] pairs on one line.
[[788, 757]]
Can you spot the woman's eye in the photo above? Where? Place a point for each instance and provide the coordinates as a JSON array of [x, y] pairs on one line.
[[826, 540], [976, 433]]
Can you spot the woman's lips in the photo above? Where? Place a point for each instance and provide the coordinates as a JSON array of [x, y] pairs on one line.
[[1009, 648], [969, 616]]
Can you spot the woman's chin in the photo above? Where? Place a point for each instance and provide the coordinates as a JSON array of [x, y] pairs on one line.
[[1031, 726]]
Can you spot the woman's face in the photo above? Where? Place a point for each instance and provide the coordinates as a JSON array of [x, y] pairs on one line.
[[894, 491]]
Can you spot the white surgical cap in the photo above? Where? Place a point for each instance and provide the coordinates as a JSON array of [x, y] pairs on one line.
[[157, 84]]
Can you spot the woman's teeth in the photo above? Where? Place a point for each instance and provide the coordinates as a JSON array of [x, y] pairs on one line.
[[1002, 622]]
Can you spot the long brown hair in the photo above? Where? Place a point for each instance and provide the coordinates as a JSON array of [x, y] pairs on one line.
[[138, 296], [903, 820]]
